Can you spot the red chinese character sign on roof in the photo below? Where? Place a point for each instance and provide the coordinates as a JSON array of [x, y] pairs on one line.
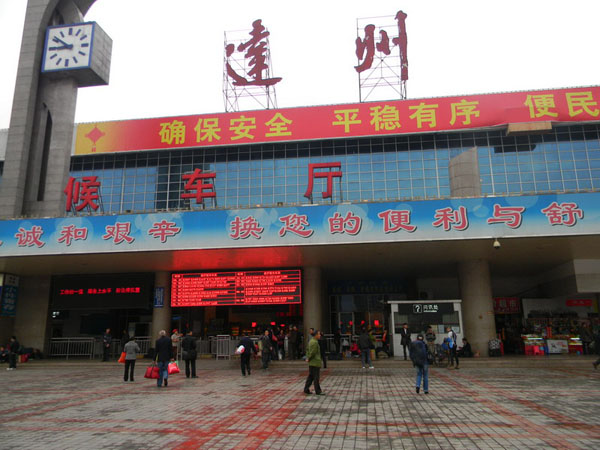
[[247, 69], [82, 194], [382, 61]]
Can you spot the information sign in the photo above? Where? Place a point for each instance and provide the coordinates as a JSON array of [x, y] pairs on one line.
[[257, 287]]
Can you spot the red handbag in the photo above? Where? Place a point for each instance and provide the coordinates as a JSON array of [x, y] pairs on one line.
[[173, 368], [122, 357], [152, 371]]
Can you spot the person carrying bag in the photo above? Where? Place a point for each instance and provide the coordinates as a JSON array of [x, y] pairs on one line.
[[131, 350]]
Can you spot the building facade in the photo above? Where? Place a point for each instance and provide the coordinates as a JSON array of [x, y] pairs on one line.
[[320, 216]]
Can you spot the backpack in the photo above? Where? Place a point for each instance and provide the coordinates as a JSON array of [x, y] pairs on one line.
[[452, 342], [419, 353]]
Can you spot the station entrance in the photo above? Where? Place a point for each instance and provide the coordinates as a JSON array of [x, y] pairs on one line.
[[235, 320]]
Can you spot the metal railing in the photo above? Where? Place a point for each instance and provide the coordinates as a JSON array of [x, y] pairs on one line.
[[91, 347], [73, 347], [145, 343], [220, 347], [223, 347]]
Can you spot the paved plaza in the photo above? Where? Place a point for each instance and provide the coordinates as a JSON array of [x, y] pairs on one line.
[[489, 403]]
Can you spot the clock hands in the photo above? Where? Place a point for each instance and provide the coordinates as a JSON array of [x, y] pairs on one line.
[[65, 45]]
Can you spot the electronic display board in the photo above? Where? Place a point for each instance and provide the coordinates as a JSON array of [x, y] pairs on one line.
[[255, 287], [105, 291]]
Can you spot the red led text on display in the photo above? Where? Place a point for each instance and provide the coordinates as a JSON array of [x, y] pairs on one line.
[[270, 287]]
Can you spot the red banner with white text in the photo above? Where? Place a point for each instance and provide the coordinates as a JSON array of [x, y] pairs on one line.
[[340, 121]]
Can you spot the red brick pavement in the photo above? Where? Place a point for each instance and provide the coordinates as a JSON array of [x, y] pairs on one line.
[[86, 405]]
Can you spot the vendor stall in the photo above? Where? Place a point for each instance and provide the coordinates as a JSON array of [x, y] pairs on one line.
[[533, 344]]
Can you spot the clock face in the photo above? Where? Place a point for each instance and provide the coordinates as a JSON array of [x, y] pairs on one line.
[[68, 47]]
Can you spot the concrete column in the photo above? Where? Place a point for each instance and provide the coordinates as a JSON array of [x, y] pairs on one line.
[[161, 317], [474, 276], [463, 171], [32, 316], [477, 303], [313, 300]]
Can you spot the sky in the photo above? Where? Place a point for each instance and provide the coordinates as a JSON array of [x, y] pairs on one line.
[[167, 57]]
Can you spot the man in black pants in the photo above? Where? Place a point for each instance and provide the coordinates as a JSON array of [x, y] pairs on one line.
[[245, 356], [164, 354], [266, 349], [13, 351], [405, 338], [188, 346], [323, 350]]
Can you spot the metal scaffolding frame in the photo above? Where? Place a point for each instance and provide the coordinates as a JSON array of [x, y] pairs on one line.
[[251, 96], [386, 78]]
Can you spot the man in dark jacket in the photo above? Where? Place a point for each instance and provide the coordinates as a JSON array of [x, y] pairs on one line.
[[405, 338], [164, 354], [13, 351], [337, 341], [188, 346], [245, 356], [418, 355], [364, 344], [266, 348], [106, 342], [323, 349]]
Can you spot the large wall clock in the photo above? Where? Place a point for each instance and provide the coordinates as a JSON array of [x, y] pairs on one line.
[[68, 47]]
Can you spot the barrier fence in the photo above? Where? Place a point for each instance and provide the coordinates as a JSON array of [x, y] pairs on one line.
[[220, 347]]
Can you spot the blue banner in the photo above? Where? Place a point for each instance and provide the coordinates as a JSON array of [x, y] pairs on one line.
[[9, 296], [159, 297], [448, 219]]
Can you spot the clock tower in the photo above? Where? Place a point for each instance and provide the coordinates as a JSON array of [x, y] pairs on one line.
[[60, 52], [40, 136]]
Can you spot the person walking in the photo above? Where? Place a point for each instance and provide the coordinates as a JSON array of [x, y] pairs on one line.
[[13, 352], [189, 354], [245, 356], [131, 350], [405, 338], [364, 345], [106, 342], [418, 355], [266, 348], [313, 357], [164, 354]]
